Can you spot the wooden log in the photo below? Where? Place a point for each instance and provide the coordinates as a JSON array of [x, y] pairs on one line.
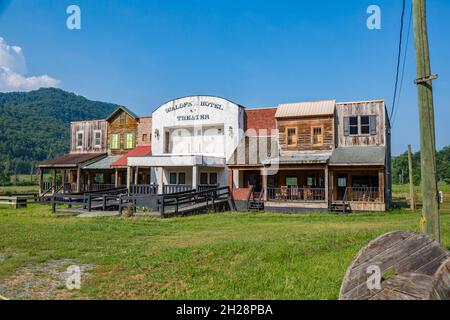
[[419, 265]]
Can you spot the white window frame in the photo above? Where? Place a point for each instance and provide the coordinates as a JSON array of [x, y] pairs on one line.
[[77, 140], [95, 138]]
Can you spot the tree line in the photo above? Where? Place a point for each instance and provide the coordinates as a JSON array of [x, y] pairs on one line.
[[400, 171]]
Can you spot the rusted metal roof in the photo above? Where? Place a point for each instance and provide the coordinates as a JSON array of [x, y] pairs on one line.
[[305, 109], [72, 160]]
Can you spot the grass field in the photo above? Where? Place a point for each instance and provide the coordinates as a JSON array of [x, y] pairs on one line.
[[220, 256]]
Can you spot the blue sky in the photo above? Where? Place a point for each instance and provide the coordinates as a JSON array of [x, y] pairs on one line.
[[256, 53]]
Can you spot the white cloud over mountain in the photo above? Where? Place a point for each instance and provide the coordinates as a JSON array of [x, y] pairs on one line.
[[13, 71]]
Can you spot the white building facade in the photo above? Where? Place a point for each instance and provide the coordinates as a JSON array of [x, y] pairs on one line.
[[192, 137]]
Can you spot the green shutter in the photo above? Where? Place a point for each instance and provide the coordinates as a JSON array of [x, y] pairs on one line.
[[133, 140]]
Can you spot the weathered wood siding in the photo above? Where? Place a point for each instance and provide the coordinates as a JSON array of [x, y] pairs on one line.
[[376, 108], [115, 126], [304, 133], [88, 128]]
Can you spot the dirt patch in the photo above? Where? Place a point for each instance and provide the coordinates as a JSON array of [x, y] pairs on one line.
[[45, 281]]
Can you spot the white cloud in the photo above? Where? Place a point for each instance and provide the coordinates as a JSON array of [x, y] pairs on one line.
[[13, 70]]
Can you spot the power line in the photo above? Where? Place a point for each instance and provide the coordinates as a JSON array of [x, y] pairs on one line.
[[398, 57], [403, 68]]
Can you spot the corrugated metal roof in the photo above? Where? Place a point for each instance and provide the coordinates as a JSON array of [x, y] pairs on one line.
[[72, 159], [358, 155], [104, 163], [304, 109]]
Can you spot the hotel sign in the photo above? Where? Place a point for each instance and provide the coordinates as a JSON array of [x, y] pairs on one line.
[[185, 105]]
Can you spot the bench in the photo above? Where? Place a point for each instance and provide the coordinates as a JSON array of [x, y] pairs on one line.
[[15, 201]]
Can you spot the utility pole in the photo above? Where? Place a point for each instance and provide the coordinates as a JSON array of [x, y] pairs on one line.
[[411, 182], [430, 211]]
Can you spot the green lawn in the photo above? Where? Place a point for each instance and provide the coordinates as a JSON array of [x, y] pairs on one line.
[[217, 256], [404, 188]]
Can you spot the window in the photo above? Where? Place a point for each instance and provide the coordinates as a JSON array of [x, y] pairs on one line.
[[181, 178], [129, 140], [353, 126], [208, 178], [291, 137], [213, 178], [122, 119], [360, 125], [97, 138], [173, 178], [203, 178], [115, 141], [342, 182], [292, 181], [144, 137], [80, 139], [365, 125], [166, 141], [317, 136], [177, 178]]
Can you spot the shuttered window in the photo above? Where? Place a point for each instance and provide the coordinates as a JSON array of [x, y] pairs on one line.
[[360, 125], [115, 141], [129, 140]]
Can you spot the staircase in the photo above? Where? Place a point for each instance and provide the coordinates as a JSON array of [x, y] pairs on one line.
[[255, 203], [340, 207]]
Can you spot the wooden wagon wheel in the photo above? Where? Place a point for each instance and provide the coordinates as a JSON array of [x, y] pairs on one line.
[[410, 266]]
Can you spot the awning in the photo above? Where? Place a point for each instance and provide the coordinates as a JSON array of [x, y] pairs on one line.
[[358, 156], [72, 160], [141, 151], [103, 164]]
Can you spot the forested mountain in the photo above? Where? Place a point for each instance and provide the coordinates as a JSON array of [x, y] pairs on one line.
[[400, 167], [35, 126]]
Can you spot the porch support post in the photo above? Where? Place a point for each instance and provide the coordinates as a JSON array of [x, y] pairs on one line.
[[41, 180], [79, 179], [381, 185], [160, 173], [116, 177], [63, 178], [136, 175], [129, 170], [194, 177], [264, 183], [53, 180], [327, 187]]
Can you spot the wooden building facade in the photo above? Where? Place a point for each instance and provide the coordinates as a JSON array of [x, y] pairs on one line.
[[324, 155]]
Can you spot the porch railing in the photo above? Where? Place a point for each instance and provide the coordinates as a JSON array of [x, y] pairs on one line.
[[137, 189], [101, 187], [364, 194], [296, 194], [175, 188]]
